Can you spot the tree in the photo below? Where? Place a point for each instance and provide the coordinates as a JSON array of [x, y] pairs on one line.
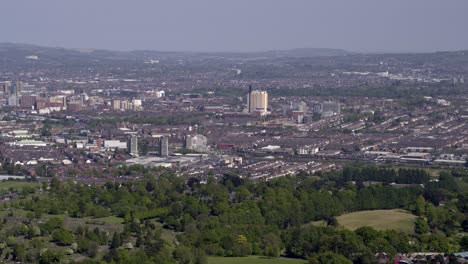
[[52, 223], [199, 256], [116, 242], [329, 258], [183, 255], [49, 257], [34, 231], [331, 221], [271, 245], [464, 243], [30, 216], [92, 250], [367, 233], [55, 184], [241, 247], [150, 185], [45, 131], [19, 252], [421, 226], [63, 237], [42, 170], [420, 205]]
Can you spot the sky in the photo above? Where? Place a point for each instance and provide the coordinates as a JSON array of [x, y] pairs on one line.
[[238, 25]]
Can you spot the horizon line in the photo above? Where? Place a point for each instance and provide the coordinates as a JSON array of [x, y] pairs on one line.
[[242, 52]]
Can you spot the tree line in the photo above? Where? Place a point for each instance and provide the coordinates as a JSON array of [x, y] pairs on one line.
[[233, 216]]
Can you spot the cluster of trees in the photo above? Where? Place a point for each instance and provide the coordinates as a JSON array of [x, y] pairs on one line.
[[359, 246], [11, 169], [385, 175], [234, 216], [25, 242]]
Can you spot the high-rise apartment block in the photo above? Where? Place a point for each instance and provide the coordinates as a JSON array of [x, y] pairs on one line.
[[132, 145], [164, 146], [257, 101]]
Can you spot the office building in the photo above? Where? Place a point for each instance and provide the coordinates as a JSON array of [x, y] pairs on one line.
[[116, 104], [188, 142], [248, 99], [125, 104], [16, 88], [27, 101], [5, 88], [59, 100], [13, 100]]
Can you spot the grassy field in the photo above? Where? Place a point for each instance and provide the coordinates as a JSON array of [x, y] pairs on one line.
[[379, 219], [18, 185], [110, 220], [253, 260]]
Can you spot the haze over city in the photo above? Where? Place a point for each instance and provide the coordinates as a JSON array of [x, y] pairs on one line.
[[242, 25]]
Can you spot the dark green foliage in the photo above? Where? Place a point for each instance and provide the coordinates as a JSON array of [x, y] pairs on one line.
[[271, 245], [52, 224], [385, 175], [186, 255], [116, 241], [329, 258], [63, 237], [236, 217], [19, 252], [49, 257]]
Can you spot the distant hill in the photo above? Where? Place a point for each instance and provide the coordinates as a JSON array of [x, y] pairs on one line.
[[15, 51], [309, 52], [18, 53]]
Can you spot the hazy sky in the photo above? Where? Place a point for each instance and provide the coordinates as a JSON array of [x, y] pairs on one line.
[[238, 25]]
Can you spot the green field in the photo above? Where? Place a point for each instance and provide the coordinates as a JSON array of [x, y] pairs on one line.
[[254, 260], [18, 185], [110, 220], [379, 219]]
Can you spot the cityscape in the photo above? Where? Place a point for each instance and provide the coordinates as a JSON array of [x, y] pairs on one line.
[[300, 155], [87, 122]]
